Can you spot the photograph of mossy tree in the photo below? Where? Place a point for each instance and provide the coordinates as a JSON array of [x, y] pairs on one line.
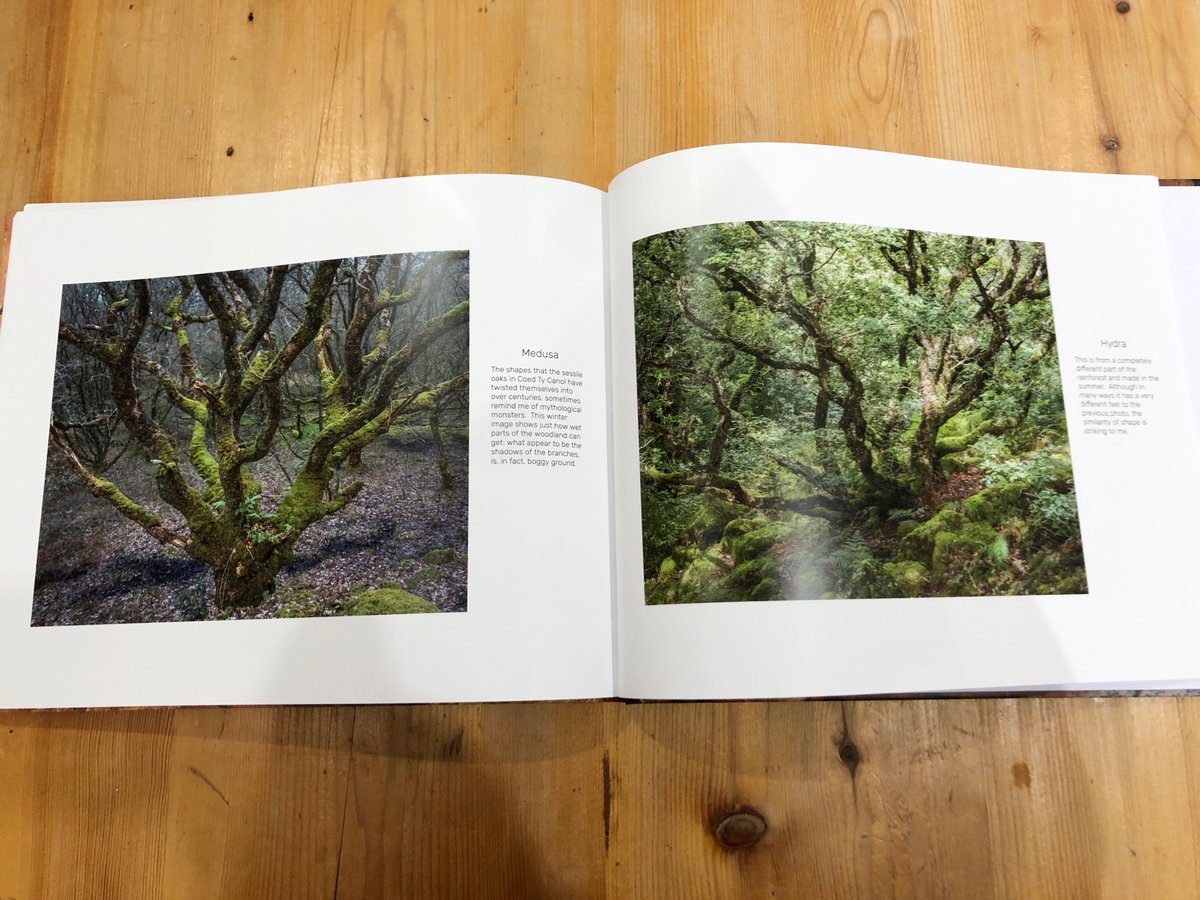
[[837, 411], [285, 441]]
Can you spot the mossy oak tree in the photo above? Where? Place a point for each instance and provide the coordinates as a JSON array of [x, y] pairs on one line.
[[210, 376], [792, 371]]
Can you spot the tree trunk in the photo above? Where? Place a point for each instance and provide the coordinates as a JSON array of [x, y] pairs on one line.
[[443, 461], [923, 453], [821, 413], [242, 582]]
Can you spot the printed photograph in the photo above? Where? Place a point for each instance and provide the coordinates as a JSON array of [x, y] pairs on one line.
[[833, 411], [281, 442]]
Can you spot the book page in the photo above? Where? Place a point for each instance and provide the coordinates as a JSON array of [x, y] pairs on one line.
[[1181, 220], [889, 424], [338, 445]]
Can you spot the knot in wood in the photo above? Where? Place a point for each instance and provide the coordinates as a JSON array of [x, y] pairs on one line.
[[740, 830], [848, 754]]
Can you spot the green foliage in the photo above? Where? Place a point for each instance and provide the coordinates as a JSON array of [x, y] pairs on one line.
[[847, 411], [248, 509], [1048, 467], [853, 561], [665, 521], [1055, 514], [998, 551]]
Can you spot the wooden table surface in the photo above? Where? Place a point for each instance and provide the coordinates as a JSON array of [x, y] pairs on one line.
[[1078, 797]]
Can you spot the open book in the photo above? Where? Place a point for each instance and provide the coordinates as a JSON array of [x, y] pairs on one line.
[[760, 421]]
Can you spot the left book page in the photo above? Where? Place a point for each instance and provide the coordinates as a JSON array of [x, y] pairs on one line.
[[314, 446]]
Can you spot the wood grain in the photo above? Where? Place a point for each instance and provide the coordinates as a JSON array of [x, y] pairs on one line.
[[1034, 797]]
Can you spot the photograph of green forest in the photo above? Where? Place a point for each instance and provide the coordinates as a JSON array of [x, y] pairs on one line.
[[281, 442], [836, 411]]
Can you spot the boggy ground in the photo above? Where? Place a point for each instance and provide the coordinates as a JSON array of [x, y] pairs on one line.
[[403, 531]]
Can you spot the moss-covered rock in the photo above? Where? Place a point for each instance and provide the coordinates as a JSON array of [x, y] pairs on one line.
[[709, 522], [744, 577], [440, 556], [955, 463], [737, 528], [919, 542], [422, 576], [700, 581], [755, 543], [905, 528], [963, 430], [994, 504], [952, 548], [387, 601], [668, 567], [701, 570], [745, 581], [907, 576], [683, 556]]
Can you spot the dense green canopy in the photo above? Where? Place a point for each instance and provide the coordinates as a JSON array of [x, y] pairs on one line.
[[844, 411]]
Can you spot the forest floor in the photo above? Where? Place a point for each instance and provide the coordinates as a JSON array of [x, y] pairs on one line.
[[96, 567]]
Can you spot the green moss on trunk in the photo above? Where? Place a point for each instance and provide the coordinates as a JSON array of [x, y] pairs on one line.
[[242, 580]]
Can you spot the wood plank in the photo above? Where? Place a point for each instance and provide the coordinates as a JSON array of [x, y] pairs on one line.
[[476, 801], [1006, 798], [1011, 798]]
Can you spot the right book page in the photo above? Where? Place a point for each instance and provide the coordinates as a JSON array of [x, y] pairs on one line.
[[1181, 219], [893, 424]]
